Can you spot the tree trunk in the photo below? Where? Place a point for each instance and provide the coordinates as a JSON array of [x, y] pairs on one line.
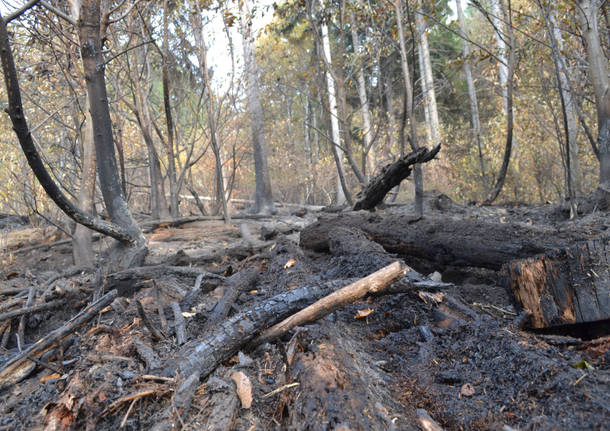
[[369, 152], [598, 74], [506, 80], [417, 172], [428, 80], [203, 65], [571, 106], [472, 96], [93, 66], [263, 197], [341, 188], [171, 160]]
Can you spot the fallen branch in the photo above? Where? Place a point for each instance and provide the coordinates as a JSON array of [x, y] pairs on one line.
[[15, 369], [374, 283], [33, 309], [226, 339]]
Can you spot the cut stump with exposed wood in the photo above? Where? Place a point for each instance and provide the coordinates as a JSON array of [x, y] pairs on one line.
[[563, 286]]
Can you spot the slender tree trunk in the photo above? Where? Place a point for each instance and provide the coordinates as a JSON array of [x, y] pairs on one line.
[[263, 200], [388, 91], [497, 15], [567, 109], [369, 151], [571, 105], [409, 114], [171, 159], [508, 97], [427, 80], [334, 118], [93, 66], [203, 65], [598, 74], [472, 96]]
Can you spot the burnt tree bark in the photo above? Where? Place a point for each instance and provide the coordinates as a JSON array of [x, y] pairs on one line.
[[442, 240], [563, 286], [391, 176]]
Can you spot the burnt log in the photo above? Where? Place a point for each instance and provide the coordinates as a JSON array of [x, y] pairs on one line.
[[442, 240], [390, 176], [563, 286]]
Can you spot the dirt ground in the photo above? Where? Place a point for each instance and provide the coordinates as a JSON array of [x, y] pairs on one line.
[[470, 369]]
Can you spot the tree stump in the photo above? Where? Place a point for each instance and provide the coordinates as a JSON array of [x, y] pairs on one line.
[[563, 286]]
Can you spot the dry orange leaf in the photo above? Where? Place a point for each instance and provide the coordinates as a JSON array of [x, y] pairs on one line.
[[49, 377], [289, 264], [361, 314]]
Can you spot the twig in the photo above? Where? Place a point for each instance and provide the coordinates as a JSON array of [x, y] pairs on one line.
[[6, 333], [115, 405], [44, 364], [153, 331], [128, 412], [160, 378], [280, 389], [21, 327]]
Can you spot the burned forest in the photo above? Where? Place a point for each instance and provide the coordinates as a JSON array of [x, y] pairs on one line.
[[305, 215]]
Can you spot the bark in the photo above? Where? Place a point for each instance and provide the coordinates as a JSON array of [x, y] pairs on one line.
[[369, 152], [341, 188], [409, 114], [427, 80], [472, 97], [263, 195], [17, 116], [171, 160], [82, 238], [391, 176], [563, 286], [497, 18], [598, 75]]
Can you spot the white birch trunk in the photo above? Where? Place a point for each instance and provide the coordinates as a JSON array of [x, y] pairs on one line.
[[334, 114]]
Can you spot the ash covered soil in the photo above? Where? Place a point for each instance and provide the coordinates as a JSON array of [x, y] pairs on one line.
[[455, 352]]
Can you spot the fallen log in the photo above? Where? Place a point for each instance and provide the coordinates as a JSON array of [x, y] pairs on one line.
[[563, 286], [390, 176], [443, 240], [203, 356], [19, 366]]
